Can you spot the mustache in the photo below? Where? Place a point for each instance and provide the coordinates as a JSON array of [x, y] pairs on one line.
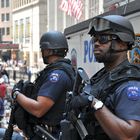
[[96, 48]]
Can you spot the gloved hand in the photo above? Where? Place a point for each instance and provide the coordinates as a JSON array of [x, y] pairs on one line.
[[18, 87], [81, 100]]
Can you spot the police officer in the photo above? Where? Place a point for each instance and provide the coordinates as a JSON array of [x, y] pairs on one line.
[[51, 85], [115, 104]]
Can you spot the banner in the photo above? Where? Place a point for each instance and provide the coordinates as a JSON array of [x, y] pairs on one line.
[[72, 7]]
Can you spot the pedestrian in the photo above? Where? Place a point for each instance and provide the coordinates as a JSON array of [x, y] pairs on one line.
[[51, 86], [1, 109], [3, 90], [5, 76], [114, 106], [16, 134]]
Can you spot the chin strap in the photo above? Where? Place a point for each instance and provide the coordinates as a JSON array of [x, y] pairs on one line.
[[112, 50]]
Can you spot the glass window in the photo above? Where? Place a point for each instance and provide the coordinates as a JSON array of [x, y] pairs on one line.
[[0, 36], [21, 33], [7, 31], [16, 31], [7, 3], [2, 17], [2, 31], [2, 3], [27, 30], [7, 17]]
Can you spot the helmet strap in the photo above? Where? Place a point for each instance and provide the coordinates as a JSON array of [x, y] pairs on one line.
[[59, 52], [112, 48]]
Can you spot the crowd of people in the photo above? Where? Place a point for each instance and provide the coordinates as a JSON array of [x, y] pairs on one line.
[[112, 104]]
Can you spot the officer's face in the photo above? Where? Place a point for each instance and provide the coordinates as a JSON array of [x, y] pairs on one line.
[[45, 52], [102, 50], [45, 55]]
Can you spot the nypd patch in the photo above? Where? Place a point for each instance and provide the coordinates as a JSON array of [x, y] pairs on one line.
[[133, 93], [54, 77]]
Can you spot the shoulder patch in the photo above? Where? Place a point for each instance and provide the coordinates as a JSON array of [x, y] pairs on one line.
[[133, 93], [54, 77]]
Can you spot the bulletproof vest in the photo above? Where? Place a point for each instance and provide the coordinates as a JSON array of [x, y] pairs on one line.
[[63, 64], [26, 121], [53, 116], [106, 83]]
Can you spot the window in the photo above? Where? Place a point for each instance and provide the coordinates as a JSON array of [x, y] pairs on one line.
[[2, 31], [0, 36], [16, 30], [7, 31], [7, 17], [21, 33], [2, 3], [2, 17], [7, 3], [27, 30]]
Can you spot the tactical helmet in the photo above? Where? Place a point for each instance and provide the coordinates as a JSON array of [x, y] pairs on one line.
[[114, 24], [53, 40]]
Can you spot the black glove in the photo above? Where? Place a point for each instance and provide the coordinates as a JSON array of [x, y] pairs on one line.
[[81, 100], [18, 87]]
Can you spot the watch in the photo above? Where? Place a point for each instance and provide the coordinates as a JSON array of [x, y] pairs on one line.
[[97, 104], [15, 94]]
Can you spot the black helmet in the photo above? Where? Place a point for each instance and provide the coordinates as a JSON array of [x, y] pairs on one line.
[[115, 24], [53, 40]]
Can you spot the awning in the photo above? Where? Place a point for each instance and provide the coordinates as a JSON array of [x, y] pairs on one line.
[[9, 46]]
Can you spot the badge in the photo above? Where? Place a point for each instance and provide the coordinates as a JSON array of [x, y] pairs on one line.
[[133, 93], [54, 77]]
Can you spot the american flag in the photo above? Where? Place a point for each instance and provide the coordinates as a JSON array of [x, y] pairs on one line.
[[72, 7]]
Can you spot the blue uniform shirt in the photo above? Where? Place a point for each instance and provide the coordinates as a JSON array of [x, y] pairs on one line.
[[56, 85], [126, 101]]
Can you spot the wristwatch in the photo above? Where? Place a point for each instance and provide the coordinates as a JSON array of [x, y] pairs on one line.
[[97, 104], [15, 94]]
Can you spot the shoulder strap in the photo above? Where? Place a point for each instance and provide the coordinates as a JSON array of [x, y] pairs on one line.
[[63, 64], [117, 77]]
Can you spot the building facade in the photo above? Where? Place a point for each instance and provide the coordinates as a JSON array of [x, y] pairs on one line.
[[7, 48], [31, 18], [29, 22], [110, 5]]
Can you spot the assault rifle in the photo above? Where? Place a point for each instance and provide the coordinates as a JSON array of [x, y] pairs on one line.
[[9, 130], [72, 126]]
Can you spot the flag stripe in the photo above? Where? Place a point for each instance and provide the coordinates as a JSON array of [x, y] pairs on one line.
[[72, 7]]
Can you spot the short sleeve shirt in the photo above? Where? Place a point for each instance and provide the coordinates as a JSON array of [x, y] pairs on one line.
[[56, 84], [126, 101]]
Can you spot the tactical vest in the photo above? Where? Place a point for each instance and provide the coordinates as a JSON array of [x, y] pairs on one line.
[[26, 121], [106, 83]]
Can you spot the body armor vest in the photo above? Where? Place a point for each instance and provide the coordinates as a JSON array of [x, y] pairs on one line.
[[104, 84], [26, 121]]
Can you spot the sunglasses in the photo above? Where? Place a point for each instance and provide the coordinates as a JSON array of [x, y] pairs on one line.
[[103, 38]]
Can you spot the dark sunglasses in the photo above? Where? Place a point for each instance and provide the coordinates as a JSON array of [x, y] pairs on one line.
[[104, 38]]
